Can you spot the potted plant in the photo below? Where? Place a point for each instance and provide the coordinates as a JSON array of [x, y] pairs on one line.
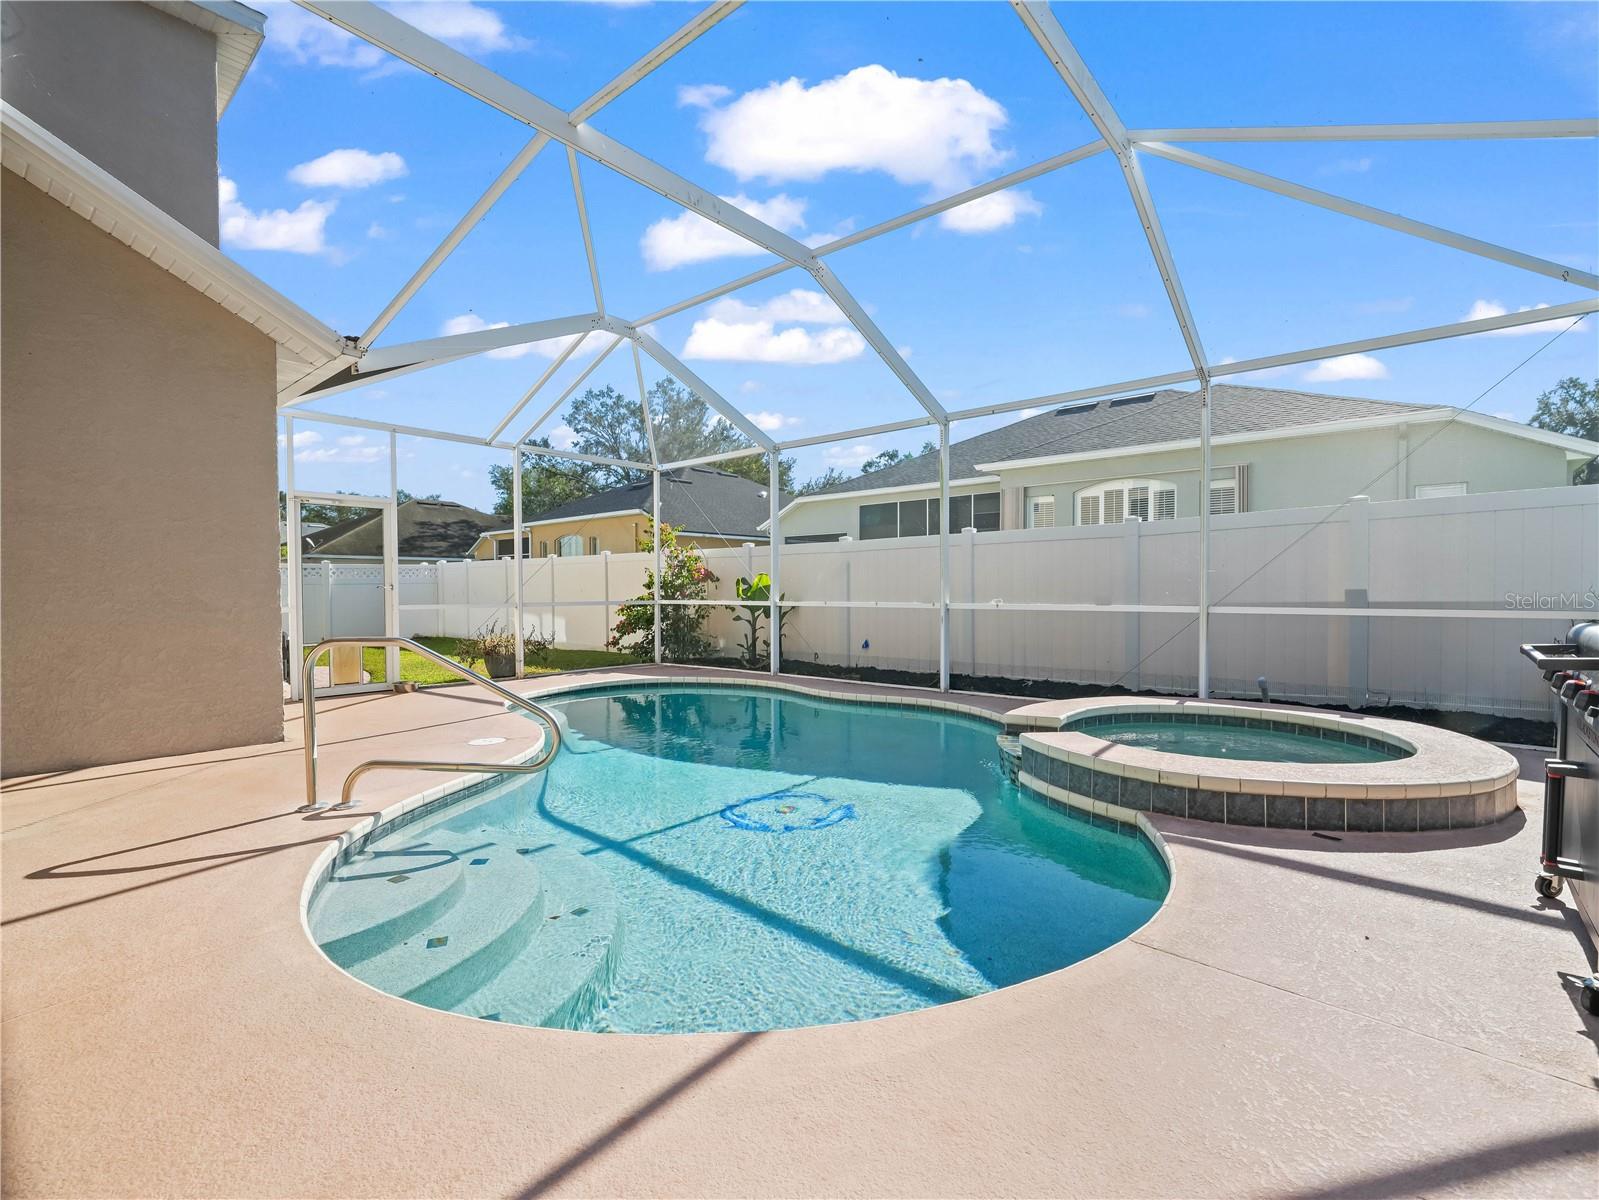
[[497, 650]]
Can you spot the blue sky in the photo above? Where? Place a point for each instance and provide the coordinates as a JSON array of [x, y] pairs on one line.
[[344, 169]]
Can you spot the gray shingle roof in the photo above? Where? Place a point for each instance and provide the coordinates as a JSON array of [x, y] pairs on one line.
[[695, 499], [426, 529], [1121, 422]]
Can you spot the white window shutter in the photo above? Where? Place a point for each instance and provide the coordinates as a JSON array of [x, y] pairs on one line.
[[1114, 505], [1088, 510], [1043, 512], [1138, 502], [1165, 507]]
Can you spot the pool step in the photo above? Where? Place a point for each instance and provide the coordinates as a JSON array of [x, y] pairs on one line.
[[380, 898], [562, 977], [498, 910]]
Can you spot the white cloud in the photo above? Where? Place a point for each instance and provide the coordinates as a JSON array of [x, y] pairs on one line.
[[702, 95], [733, 331], [925, 132], [759, 341], [349, 168], [1481, 310], [772, 422], [563, 437], [801, 306], [991, 212], [1133, 312], [350, 448], [469, 27], [300, 231], [749, 387], [848, 458], [377, 232], [690, 238], [1347, 366], [311, 41], [472, 323], [1346, 166]]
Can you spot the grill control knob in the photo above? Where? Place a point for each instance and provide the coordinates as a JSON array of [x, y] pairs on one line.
[[1585, 699], [1571, 687]]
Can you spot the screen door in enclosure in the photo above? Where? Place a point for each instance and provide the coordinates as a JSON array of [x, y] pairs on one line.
[[347, 589]]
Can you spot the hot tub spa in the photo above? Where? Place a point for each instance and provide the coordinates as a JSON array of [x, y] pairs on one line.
[[1259, 765]]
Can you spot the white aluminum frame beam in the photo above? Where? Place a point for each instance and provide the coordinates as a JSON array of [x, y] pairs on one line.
[[549, 372], [886, 350], [1063, 56], [388, 32], [480, 341], [347, 380], [1374, 216], [570, 388], [644, 407], [822, 439], [706, 459], [699, 24], [583, 221], [1446, 131], [711, 396], [1432, 333]]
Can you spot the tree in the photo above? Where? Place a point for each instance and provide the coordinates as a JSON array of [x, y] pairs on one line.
[[890, 458], [546, 483], [831, 477], [1572, 407], [401, 496], [684, 576], [609, 424]]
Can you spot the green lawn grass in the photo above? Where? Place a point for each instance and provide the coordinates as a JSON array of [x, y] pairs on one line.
[[423, 672]]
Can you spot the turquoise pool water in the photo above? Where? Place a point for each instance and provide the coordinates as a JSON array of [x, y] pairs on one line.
[[1259, 740], [735, 859]]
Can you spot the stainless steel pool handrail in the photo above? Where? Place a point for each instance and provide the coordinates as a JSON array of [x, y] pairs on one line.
[[552, 741]]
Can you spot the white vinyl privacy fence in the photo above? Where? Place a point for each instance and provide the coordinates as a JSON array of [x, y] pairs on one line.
[[1418, 602]]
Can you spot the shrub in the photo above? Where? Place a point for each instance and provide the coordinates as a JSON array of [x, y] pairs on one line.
[[684, 576]]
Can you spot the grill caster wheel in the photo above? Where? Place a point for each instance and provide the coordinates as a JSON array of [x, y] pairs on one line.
[[1549, 886], [1589, 997]]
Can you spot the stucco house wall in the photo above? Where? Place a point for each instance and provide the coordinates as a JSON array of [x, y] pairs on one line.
[[127, 86], [1282, 472], [133, 404], [619, 534]]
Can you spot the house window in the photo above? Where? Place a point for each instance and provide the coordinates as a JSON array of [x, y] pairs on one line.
[[570, 546], [1430, 491], [1127, 500], [506, 548], [544, 549], [1041, 513], [879, 521], [1227, 493], [919, 518], [979, 512], [594, 545]]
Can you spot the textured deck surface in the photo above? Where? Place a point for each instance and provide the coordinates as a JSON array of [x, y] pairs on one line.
[[1376, 1015]]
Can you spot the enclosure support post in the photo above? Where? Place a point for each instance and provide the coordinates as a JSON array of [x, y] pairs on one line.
[[1203, 690], [391, 566], [655, 590], [943, 556], [516, 551], [774, 619], [291, 514]]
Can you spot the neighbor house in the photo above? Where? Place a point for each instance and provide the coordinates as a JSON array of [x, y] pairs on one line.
[[141, 372], [426, 530], [1138, 458], [704, 506]]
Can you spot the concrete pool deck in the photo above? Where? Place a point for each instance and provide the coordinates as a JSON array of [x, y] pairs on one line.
[[1383, 1014]]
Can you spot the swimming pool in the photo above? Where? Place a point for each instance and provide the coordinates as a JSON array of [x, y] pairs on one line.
[[731, 859]]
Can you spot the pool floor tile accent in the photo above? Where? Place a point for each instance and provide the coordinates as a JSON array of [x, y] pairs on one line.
[[435, 943], [477, 862], [398, 878]]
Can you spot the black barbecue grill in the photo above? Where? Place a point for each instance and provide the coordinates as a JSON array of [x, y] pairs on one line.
[[1571, 778]]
